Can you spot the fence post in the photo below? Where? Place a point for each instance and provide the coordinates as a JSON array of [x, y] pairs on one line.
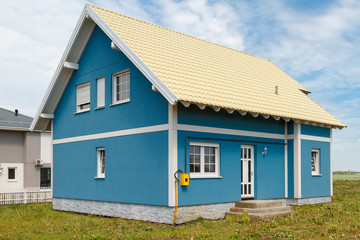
[[25, 196]]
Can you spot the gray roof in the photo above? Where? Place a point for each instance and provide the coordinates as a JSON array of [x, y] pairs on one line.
[[9, 121]]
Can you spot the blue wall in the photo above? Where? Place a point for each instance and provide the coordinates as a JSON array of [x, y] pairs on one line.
[[100, 60], [290, 126], [136, 165], [269, 170], [315, 131], [315, 186], [135, 171]]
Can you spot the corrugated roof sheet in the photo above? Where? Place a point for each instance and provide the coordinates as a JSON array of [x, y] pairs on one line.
[[9, 121], [201, 72]]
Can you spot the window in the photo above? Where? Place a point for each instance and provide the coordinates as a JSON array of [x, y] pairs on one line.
[[100, 162], [83, 97], [121, 87], [45, 177], [204, 159], [100, 88], [12, 174], [315, 170]]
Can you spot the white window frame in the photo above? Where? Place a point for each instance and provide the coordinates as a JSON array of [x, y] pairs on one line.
[[202, 173], [100, 92], [78, 105], [99, 163], [316, 172], [121, 73], [15, 172]]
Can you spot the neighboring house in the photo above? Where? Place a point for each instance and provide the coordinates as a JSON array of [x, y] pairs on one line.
[[24, 156], [132, 102]]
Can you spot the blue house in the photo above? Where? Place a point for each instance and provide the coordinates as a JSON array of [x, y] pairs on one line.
[[131, 103]]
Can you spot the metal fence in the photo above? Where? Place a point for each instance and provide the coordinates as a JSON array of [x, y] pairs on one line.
[[27, 195]]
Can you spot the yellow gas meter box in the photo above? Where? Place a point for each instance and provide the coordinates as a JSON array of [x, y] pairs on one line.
[[184, 179]]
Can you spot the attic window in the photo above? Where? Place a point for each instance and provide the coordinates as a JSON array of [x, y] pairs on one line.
[[121, 87], [83, 97]]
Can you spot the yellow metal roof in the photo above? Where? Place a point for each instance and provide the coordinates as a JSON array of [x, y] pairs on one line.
[[201, 72]]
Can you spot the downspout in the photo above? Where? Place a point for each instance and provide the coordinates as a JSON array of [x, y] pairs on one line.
[[175, 211]]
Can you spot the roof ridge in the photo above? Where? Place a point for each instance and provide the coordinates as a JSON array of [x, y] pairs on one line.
[[4, 109], [171, 30]]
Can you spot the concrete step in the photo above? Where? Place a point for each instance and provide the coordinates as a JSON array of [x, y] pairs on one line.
[[261, 210], [259, 203]]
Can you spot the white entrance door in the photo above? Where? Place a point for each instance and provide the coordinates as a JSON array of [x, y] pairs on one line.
[[247, 171]]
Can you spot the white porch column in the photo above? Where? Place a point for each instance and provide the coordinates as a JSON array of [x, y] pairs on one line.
[[297, 160], [172, 153], [286, 159], [331, 160], [52, 158]]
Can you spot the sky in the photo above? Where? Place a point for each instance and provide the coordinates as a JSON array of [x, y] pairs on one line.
[[315, 42]]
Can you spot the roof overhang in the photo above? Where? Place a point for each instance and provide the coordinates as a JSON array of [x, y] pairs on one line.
[[69, 63], [19, 129], [265, 116]]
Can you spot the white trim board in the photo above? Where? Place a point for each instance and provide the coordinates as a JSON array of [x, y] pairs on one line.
[[228, 131], [156, 128], [310, 137], [164, 127]]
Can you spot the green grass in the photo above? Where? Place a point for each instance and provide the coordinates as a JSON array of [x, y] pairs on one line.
[[349, 176], [339, 219]]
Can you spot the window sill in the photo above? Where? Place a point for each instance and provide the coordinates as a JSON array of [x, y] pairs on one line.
[[120, 102], [88, 110], [99, 177], [205, 177], [12, 180], [316, 175], [101, 107]]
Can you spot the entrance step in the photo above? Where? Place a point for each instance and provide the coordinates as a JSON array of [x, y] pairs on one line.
[[260, 209]]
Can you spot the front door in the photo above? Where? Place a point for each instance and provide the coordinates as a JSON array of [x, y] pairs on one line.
[[247, 171]]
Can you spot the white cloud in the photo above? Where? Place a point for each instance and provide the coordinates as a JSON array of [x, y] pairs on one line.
[[34, 35], [213, 21], [319, 49]]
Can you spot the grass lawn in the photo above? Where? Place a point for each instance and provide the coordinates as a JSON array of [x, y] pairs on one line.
[[337, 220]]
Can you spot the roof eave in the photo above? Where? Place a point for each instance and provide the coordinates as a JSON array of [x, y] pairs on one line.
[[50, 101], [19, 129], [265, 116]]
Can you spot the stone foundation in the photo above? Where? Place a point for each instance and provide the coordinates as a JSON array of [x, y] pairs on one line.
[[159, 214], [307, 201]]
